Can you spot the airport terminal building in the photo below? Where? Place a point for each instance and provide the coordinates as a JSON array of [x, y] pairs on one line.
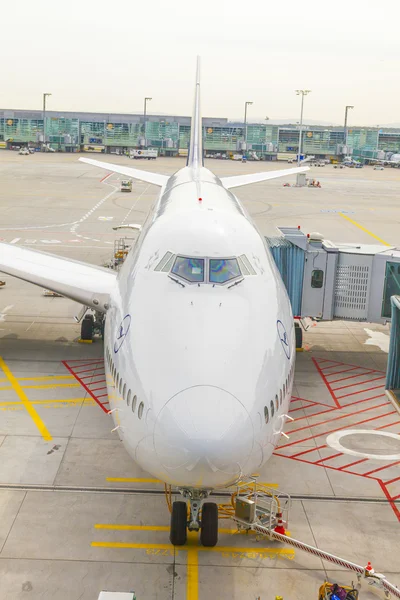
[[117, 133]]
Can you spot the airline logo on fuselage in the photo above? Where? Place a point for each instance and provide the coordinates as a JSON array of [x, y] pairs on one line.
[[122, 332], [283, 336]]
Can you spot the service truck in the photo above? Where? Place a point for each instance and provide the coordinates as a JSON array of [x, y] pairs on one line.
[[149, 153]]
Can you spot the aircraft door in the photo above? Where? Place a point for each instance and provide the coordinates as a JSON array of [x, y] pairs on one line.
[[314, 283]]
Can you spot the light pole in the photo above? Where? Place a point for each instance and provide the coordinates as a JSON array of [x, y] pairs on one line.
[[345, 125], [266, 119], [44, 117], [246, 104], [301, 93], [144, 114]]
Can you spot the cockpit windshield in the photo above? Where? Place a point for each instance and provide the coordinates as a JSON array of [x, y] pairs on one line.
[[215, 271], [223, 270], [191, 269]]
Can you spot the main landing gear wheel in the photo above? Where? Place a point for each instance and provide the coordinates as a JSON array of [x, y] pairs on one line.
[[209, 524], [87, 328], [178, 532], [299, 335]]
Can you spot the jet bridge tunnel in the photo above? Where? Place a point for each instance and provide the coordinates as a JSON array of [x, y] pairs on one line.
[[354, 282], [327, 281]]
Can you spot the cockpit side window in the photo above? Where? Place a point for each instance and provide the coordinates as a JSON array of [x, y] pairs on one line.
[[165, 263], [223, 270], [191, 269]]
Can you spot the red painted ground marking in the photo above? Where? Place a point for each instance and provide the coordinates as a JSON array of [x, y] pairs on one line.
[[104, 387], [345, 416], [397, 462], [341, 364], [376, 387], [305, 451], [389, 425], [388, 496], [90, 370], [338, 429], [356, 462], [392, 480], [343, 387], [343, 371], [326, 382], [105, 177], [351, 376], [321, 460], [86, 387], [86, 364]]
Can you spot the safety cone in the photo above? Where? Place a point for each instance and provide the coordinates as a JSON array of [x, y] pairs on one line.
[[369, 568], [280, 527]]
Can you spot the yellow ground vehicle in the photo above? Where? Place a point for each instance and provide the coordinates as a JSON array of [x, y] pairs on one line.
[[126, 185], [329, 590]]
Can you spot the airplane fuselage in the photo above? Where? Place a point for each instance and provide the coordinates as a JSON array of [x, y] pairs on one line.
[[199, 340]]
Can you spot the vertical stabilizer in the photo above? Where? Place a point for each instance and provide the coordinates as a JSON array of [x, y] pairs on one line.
[[195, 155]]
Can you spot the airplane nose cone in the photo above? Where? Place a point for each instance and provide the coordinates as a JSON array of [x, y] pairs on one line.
[[203, 437]]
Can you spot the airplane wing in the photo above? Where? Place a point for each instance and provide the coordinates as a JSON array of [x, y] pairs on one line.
[[84, 283], [238, 180], [148, 176]]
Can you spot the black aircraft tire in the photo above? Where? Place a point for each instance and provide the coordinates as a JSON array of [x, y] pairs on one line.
[[299, 335], [178, 532], [87, 328], [209, 525]]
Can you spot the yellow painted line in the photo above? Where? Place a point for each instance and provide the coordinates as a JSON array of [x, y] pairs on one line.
[[44, 378], [47, 386], [25, 401], [365, 229], [129, 545], [71, 400], [132, 527], [192, 581], [133, 480], [6, 387], [236, 549], [266, 483], [117, 527]]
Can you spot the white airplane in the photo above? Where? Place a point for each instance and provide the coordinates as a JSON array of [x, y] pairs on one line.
[[199, 338]]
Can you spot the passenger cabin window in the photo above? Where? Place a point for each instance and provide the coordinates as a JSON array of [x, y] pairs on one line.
[[266, 415], [317, 278], [272, 408], [223, 270], [191, 269], [134, 400], [140, 410], [128, 399]]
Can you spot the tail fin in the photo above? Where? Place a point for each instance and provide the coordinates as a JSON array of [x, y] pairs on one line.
[[195, 156]]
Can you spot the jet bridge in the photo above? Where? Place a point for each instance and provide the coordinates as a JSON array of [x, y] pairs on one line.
[[393, 367], [328, 281]]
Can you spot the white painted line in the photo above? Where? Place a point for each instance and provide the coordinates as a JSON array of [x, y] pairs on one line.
[[333, 440], [15, 240]]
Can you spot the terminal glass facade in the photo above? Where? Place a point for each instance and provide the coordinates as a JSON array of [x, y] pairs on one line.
[[106, 133]]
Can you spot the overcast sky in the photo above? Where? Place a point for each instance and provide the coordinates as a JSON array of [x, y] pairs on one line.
[[106, 56]]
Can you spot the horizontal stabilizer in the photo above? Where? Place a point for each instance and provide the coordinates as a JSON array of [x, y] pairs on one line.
[[84, 283], [154, 178], [238, 180]]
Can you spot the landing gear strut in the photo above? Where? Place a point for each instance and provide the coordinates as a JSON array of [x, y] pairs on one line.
[[207, 523]]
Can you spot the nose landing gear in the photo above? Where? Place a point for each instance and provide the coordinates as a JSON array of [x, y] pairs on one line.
[[203, 517]]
